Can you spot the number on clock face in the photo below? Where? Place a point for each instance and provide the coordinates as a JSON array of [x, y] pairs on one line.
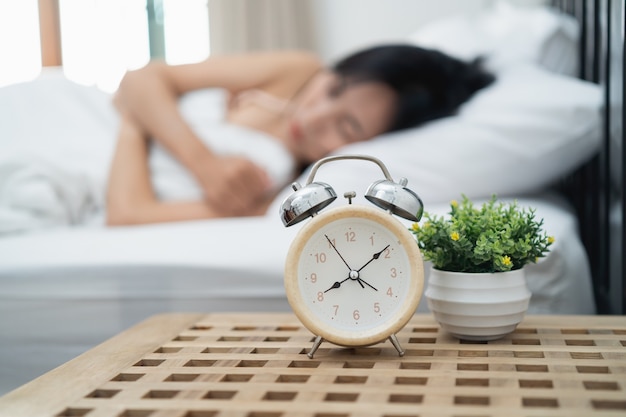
[[354, 274]]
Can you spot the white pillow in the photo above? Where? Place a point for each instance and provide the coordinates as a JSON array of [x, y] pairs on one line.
[[518, 135], [507, 35]]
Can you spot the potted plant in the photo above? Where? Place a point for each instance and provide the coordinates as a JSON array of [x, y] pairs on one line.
[[477, 288]]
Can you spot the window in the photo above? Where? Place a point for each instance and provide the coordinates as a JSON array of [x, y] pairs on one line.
[[20, 49], [186, 31], [102, 39]]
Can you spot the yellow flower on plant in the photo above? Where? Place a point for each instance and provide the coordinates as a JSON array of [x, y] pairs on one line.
[[506, 260], [551, 239], [455, 236], [415, 227], [454, 203]]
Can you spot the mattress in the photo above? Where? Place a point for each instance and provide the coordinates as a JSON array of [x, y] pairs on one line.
[[63, 291]]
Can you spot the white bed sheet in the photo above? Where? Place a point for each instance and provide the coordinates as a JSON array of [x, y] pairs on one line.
[[229, 258]]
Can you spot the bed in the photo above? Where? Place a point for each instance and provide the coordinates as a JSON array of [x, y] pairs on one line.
[[65, 287]]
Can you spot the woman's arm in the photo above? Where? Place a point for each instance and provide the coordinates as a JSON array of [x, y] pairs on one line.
[[130, 196], [149, 97]]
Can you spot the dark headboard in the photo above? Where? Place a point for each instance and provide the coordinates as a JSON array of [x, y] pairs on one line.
[[597, 189]]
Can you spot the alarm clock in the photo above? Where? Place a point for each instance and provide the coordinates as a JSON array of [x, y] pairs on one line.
[[354, 274]]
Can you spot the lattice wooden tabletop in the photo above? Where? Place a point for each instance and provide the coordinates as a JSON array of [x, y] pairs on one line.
[[229, 365]]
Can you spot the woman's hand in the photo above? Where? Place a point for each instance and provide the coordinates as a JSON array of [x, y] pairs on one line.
[[233, 186]]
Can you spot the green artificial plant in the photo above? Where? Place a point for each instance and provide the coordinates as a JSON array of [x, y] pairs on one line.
[[496, 237]]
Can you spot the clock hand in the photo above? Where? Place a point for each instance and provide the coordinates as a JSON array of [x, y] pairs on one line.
[[337, 284], [375, 256], [366, 283], [331, 244]]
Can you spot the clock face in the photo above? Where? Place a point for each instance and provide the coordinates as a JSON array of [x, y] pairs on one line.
[[354, 275]]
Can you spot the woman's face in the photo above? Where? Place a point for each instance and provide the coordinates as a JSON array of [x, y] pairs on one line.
[[327, 116]]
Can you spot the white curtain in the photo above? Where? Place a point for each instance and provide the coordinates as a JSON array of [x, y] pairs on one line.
[[246, 25]]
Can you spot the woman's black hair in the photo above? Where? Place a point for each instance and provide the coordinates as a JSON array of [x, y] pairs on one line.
[[429, 83]]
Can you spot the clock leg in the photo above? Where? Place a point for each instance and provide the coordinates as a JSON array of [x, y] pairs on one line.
[[394, 341], [316, 344]]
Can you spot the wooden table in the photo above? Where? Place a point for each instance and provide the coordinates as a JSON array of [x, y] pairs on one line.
[[236, 365]]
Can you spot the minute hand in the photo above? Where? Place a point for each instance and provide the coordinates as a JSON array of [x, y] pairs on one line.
[[333, 246], [375, 256]]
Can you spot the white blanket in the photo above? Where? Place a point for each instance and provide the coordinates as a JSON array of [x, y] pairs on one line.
[[56, 143], [57, 140], [35, 194]]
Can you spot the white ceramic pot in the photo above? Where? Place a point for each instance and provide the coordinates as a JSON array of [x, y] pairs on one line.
[[478, 306]]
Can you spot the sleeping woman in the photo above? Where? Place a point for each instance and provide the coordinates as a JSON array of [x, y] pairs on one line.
[[294, 106]]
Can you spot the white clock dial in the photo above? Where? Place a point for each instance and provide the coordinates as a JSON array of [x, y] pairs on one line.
[[355, 275]]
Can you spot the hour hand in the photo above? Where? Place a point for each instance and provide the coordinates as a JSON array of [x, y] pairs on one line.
[[337, 284]]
